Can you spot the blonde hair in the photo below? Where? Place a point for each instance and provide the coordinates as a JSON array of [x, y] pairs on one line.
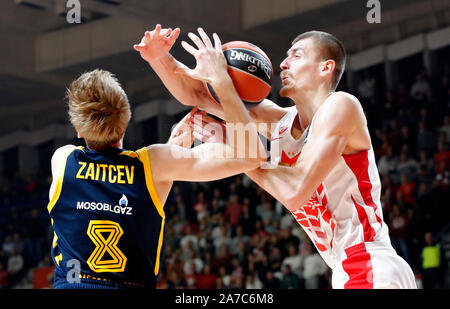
[[98, 108]]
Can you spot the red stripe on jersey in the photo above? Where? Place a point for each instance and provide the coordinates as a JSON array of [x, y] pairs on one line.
[[321, 234], [369, 232], [320, 189], [320, 247], [299, 215], [332, 230], [312, 210], [301, 218], [358, 266], [303, 223], [359, 164], [315, 222], [324, 201], [326, 215]]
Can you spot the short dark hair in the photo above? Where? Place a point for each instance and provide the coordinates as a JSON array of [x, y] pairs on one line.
[[329, 47]]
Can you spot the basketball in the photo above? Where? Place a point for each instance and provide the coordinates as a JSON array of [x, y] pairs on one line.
[[250, 70]]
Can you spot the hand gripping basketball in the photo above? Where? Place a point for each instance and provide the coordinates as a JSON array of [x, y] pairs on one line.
[[250, 70], [211, 65]]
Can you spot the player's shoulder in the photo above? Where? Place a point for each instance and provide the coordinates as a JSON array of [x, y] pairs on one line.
[[342, 104], [341, 109], [66, 148], [344, 98], [157, 149], [60, 156], [64, 151], [160, 153]]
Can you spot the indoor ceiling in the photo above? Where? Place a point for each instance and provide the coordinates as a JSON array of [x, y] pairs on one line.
[[270, 24]]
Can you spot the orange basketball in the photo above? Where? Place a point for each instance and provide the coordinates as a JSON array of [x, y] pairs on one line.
[[250, 69]]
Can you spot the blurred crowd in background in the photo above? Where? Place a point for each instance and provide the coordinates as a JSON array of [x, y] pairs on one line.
[[231, 234]]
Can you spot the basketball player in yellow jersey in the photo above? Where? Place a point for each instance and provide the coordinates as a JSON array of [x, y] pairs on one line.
[[323, 167], [106, 203]]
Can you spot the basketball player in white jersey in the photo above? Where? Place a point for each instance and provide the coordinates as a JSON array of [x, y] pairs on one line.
[[325, 172]]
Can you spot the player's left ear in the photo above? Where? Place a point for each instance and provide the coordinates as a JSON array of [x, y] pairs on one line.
[[327, 67]]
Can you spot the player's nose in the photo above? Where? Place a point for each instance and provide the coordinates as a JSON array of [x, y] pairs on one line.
[[284, 64]]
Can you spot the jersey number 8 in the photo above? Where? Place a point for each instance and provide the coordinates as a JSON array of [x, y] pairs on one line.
[[105, 235]]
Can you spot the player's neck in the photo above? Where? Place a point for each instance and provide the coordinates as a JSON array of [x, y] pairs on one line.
[[309, 102], [117, 145]]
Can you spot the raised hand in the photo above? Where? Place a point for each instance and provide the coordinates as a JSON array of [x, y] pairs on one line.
[[211, 63], [156, 43]]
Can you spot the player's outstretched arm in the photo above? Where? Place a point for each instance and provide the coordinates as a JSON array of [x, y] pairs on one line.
[[215, 160], [208, 131], [155, 48], [336, 123]]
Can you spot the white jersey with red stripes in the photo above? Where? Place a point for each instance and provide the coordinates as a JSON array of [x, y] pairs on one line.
[[345, 210], [344, 218]]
